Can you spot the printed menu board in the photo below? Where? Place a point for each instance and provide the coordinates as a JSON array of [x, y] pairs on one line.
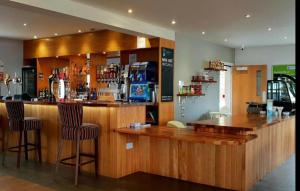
[[167, 74]]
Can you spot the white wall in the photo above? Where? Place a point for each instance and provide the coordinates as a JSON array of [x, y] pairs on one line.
[[190, 57], [270, 55], [11, 54]]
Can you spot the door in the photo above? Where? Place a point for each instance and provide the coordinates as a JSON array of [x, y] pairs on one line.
[[225, 93], [249, 84]]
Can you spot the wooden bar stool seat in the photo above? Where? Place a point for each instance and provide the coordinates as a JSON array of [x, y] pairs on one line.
[[21, 124], [87, 131], [74, 130]]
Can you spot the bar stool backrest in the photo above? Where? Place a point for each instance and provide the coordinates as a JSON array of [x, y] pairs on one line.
[[15, 112], [70, 114]]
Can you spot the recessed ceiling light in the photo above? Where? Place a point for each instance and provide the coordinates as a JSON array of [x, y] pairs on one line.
[[203, 32], [24, 24], [247, 16], [285, 37], [35, 37], [79, 54], [103, 52], [56, 56], [225, 39], [173, 22], [79, 31], [55, 34], [129, 10], [269, 29]]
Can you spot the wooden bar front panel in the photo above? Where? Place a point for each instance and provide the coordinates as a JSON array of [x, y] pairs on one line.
[[115, 161]]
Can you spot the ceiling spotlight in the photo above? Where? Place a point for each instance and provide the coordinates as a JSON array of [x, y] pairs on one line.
[[129, 10], [103, 52], [285, 37], [79, 31], [203, 32], [248, 16], [24, 24], [269, 29], [56, 56], [35, 37], [55, 34], [225, 39], [173, 22]]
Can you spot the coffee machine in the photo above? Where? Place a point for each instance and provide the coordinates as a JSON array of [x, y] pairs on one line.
[[143, 80]]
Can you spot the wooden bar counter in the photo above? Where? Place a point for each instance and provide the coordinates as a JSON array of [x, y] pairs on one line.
[[227, 159], [114, 160], [216, 153]]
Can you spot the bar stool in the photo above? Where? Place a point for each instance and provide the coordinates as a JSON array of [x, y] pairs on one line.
[[21, 124], [74, 130], [2, 136]]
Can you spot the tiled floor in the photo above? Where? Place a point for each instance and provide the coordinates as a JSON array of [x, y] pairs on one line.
[[281, 179], [33, 177]]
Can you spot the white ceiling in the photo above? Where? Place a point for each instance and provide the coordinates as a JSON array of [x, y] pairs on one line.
[[39, 22], [220, 19]]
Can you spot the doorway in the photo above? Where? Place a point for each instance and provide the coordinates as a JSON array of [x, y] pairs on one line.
[[225, 90], [249, 84]]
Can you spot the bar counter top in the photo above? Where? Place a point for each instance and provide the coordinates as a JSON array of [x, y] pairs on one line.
[[250, 122], [92, 103], [189, 135]]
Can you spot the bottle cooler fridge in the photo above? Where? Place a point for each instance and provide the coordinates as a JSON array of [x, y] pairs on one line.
[[29, 81]]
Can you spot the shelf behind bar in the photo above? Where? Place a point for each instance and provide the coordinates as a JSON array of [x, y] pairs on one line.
[[190, 94], [205, 81], [213, 69]]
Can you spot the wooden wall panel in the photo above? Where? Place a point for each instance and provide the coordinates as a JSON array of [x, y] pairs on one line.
[[93, 42], [166, 109], [244, 87], [145, 54], [166, 112], [46, 65]]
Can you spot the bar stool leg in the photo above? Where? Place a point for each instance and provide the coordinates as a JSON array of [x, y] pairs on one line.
[[26, 145], [38, 132], [5, 143], [20, 147], [3, 139], [96, 157], [60, 147], [77, 157]]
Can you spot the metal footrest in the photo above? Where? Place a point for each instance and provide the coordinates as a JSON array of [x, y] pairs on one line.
[[15, 149], [62, 161]]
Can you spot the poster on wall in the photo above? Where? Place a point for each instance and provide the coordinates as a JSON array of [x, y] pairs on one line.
[[167, 74], [289, 69]]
